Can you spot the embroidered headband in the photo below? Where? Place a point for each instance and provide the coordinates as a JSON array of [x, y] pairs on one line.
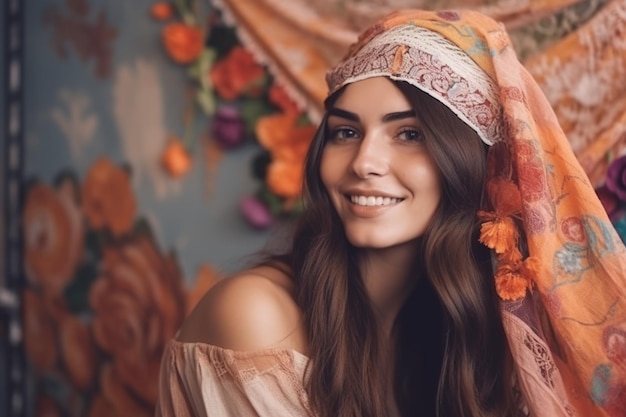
[[433, 64]]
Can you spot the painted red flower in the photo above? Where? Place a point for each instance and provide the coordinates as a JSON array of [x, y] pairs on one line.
[[236, 74]]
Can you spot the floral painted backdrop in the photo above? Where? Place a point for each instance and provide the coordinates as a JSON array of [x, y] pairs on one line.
[[146, 182], [160, 152]]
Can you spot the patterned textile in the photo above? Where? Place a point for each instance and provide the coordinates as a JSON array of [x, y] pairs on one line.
[[568, 334], [584, 78], [576, 50]]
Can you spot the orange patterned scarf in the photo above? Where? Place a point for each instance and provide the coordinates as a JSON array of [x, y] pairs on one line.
[[561, 268]]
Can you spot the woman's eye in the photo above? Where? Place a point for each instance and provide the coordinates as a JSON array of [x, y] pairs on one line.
[[411, 135], [343, 133]]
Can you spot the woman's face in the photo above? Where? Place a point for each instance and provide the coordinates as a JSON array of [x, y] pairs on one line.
[[375, 166]]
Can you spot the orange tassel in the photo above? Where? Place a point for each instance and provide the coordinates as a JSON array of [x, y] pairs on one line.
[[514, 279], [499, 234], [530, 267], [504, 196], [511, 285], [510, 257]]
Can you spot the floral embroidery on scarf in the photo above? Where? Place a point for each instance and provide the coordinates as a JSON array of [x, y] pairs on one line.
[[575, 258], [601, 236], [569, 261], [513, 93], [608, 392], [535, 222], [573, 229]]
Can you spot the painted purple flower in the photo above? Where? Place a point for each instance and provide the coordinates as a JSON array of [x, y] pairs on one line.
[[256, 212], [616, 178], [229, 127]]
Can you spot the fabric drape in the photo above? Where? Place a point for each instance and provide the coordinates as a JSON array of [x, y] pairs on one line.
[[576, 50]]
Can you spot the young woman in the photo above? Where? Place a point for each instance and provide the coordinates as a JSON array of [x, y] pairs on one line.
[[452, 259]]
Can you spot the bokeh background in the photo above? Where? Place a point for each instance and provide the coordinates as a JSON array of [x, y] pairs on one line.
[[162, 146]]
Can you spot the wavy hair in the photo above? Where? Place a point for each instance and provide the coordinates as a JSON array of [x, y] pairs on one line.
[[451, 353]]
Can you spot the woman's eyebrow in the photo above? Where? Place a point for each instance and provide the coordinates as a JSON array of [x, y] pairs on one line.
[[344, 114], [390, 117]]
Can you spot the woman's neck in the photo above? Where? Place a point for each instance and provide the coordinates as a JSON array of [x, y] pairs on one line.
[[389, 276]]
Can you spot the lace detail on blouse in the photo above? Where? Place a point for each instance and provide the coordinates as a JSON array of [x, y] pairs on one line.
[[198, 379]]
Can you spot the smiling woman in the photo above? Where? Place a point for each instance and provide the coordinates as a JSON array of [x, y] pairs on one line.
[[376, 168], [426, 273]]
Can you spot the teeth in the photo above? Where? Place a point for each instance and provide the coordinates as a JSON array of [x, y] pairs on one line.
[[362, 200]]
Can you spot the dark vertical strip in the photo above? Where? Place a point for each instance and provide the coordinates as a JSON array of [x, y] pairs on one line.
[[12, 349]]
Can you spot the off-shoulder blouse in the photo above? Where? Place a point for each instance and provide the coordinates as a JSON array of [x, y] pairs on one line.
[[203, 380], [198, 379]]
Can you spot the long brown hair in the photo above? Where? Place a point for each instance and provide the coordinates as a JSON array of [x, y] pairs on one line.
[[451, 350]]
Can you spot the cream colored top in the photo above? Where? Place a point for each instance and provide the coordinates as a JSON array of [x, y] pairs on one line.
[[198, 379]]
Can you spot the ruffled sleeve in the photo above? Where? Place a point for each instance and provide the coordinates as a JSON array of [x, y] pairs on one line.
[[200, 380]]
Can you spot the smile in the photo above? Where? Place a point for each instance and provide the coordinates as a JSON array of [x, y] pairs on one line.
[[372, 201]]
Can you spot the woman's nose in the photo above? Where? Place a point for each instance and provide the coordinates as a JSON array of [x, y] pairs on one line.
[[371, 158]]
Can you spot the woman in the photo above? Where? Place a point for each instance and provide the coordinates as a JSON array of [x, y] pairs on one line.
[[452, 259]]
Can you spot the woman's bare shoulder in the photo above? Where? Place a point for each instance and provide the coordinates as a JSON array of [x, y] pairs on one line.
[[252, 310]]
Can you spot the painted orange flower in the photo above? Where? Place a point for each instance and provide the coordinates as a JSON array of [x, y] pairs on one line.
[[108, 199], [40, 332], [236, 74], [53, 235], [100, 407], [138, 302], [175, 158], [115, 400], [183, 43], [78, 351], [46, 406], [161, 10], [288, 143], [284, 178]]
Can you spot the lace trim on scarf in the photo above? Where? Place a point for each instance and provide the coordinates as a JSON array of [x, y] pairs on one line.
[[436, 66]]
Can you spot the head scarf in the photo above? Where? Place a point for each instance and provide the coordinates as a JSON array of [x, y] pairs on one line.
[[560, 267]]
